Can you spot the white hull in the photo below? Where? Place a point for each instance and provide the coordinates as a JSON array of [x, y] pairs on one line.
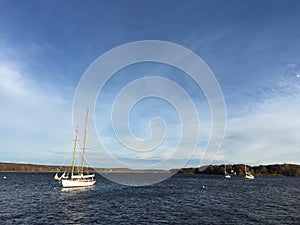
[[227, 176], [249, 177], [77, 183]]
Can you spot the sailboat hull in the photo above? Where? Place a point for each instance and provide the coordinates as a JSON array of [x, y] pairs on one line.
[[77, 183], [249, 177]]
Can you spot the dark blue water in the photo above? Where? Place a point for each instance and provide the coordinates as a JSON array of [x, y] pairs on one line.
[[33, 198]]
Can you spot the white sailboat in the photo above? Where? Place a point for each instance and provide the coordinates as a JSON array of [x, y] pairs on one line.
[[227, 176], [248, 176], [79, 180]]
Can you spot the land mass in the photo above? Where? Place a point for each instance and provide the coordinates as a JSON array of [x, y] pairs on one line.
[[239, 170], [236, 169], [23, 167]]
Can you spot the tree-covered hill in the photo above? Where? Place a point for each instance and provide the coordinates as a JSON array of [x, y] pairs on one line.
[[236, 169], [239, 169]]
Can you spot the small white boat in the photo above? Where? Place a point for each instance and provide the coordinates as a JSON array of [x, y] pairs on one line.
[[227, 176], [81, 179], [56, 177], [63, 176], [248, 176]]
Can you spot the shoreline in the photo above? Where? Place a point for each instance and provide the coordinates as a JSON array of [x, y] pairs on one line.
[[283, 169]]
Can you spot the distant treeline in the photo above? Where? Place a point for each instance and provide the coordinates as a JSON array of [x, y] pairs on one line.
[[239, 169], [21, 167]]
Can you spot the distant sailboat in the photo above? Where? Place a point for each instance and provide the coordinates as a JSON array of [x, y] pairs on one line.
[[248, 176], [79, 180], [227, 176]]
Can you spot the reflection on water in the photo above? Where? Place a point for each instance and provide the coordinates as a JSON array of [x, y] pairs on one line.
[[77, 189]]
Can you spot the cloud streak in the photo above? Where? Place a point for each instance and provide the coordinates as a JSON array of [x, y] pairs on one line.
[[34, 120], [267, 130]]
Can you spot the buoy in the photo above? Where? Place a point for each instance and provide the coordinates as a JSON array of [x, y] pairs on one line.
[[4, 177]]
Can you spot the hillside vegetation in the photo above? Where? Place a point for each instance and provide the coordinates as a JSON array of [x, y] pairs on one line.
[[21, 167], [239, 169]]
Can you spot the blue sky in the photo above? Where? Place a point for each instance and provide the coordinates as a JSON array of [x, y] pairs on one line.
[[252, 48]]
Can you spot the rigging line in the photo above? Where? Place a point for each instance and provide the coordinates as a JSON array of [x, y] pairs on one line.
[[67, 155], [86, 162]]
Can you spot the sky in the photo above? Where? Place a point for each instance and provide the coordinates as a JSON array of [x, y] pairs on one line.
[[251, 47]]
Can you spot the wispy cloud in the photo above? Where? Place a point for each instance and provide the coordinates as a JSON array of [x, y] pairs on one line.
[[34, 120], [268, 130], [11, 82]]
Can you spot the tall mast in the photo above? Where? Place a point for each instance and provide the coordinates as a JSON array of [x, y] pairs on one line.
[[84, 142], [74, 152]]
